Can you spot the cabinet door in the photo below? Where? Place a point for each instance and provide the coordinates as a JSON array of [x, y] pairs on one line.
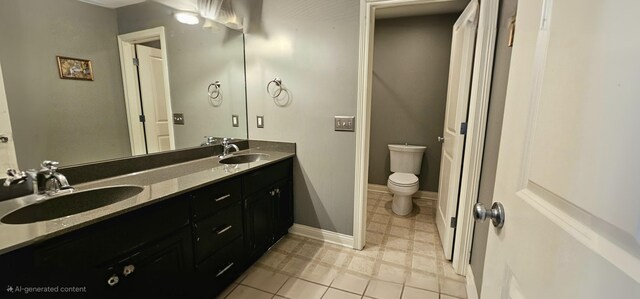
[[258, 217], [154, 270], [283, 207]]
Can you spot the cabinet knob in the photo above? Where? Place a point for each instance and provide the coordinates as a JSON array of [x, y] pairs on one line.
[[128, 270], [113, 280]]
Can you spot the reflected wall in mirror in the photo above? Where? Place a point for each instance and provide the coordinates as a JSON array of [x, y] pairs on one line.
[[74, 122]]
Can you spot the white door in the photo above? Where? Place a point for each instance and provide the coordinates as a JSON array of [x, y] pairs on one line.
[[569, 167], [154, 101], [460, 69], [7, 148]]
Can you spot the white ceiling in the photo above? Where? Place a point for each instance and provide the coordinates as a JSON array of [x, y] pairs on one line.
[[184, 5], [410, 10], [112, 3]]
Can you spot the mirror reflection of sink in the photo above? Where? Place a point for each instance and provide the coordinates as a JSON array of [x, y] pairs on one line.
[[243, 158], [71, 203]]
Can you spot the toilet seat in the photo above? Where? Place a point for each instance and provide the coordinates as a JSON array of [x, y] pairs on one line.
[[401, 179]]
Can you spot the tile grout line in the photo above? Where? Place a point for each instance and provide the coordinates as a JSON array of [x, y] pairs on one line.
[[280, 288], [232, 289]]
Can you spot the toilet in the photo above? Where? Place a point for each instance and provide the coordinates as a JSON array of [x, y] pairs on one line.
[[406, 161]]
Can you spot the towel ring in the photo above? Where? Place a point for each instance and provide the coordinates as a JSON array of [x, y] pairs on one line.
[[278, 82], [214, 90]]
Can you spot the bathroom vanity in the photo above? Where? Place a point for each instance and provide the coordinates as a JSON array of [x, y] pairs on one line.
[[192, 230]]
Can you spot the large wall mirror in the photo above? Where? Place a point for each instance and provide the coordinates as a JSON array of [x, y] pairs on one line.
[[154, 83]]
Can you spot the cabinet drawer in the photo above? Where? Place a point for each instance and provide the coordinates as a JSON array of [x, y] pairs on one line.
[[224, 263], [217, 230], [264, 177], [97, 243], [211, 199]]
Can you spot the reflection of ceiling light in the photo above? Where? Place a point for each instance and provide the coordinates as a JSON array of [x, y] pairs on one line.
[[187, 18]]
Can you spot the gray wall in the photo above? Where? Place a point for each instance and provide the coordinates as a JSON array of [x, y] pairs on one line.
[[197, 57], [66, 120], [313, 46], [492, 140], [410, 75]]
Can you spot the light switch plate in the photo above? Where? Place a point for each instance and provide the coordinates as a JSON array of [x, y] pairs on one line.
[[178, 119], [345, 123], [234, 121], [260, 121]]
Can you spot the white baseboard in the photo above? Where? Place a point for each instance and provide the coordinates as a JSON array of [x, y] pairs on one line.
[[322, 235], [472, 291], [420, 194]]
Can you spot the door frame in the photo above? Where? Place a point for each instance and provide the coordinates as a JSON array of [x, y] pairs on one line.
[[12, 161], [126, 46], [476, 128]]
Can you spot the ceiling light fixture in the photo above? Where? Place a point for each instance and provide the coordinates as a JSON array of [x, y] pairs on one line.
[[187, 18]]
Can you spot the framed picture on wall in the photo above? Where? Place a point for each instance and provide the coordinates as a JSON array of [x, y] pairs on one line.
[[74, 68]]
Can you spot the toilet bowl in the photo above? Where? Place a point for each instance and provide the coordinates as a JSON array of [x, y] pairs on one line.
[[403, 186], [406, 161]]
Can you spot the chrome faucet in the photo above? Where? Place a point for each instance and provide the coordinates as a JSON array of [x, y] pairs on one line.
[[226, 146], [208, 140], [49, 180]]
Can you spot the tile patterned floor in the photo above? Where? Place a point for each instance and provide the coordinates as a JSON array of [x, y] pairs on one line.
[[403, 259]]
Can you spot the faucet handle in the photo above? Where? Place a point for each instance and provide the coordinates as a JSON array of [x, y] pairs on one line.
[[50, 165], [15, 177], [208, 140], [15, 173], [225, 141]]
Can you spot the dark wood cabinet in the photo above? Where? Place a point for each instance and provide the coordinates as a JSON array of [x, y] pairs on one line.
[[259, 221], [190, 246], [154, 270], [283, 208], [134, 254], [268, 203]]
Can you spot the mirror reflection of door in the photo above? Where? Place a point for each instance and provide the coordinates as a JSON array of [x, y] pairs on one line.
[[156, 120], [7, 150]]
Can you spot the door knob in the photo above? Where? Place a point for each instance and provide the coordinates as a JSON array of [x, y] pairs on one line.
[[4, 139], [440, 139], [496, 213]]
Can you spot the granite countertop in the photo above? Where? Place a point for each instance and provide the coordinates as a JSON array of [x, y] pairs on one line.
[[158, 183]]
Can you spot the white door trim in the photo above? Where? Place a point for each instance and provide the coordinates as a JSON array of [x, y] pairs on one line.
[[483, 66], [8, 155], [476, 130], [126, 45]]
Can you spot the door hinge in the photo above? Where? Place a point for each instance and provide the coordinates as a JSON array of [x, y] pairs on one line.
[[142, 118], [454, 222], [463, 128], [512, 31], [136, 62]]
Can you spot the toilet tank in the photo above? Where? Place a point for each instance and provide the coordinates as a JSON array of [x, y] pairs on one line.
[[406, 158]]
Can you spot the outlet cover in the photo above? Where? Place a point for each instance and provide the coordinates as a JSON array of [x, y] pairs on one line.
[[234, 121], [260, 121], [178, 119], [345, 123]]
